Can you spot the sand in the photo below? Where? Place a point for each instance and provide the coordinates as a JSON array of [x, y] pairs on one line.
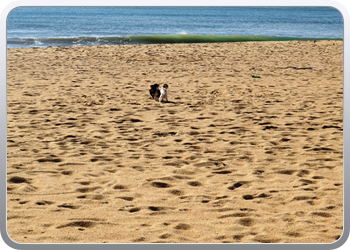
[[231, 158]]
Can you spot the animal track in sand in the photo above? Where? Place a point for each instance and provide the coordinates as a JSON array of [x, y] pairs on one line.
[[303, 198], [222, 172], [85, 224], [165, 236], [67, 172], [49, 159], [135, 209], [287, 172], [184, 172], [176, 192], [247, 222], [126, 198], [302, 173], [266, 239], [238, 237], [322, 214], [87, 189], [307, 182], [18, 179], [236, 185], [68, 205], [233, 215], [182, 226], [182, 177], [93, 197], [164, 134], [194, 183], [43, 202], [101, 158], [118, 186], [251, 197], [158, 184]]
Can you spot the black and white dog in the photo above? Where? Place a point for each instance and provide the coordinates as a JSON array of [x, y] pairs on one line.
[[159, 94]]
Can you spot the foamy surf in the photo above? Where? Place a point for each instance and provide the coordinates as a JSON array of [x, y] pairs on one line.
[[149, 39]]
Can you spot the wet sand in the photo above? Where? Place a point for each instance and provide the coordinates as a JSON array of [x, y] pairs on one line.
[[91, 158]]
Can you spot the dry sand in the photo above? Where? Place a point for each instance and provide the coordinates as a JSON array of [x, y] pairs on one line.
[[231, 159]]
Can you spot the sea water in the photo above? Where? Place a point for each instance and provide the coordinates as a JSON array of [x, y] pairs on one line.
[[82, 26]]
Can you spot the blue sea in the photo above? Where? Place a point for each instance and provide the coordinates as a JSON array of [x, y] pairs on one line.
[[87, 26]]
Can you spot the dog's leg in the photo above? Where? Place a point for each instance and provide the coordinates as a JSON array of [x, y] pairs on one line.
[[161, 96]]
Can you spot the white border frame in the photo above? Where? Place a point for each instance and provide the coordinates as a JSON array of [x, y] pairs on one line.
[[6, 6]]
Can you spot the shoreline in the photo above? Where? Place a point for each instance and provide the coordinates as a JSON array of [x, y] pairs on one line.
[[155, 39], [235, 159]]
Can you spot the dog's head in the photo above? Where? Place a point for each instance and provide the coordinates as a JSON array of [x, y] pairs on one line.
[[155, 86], [165, 86]]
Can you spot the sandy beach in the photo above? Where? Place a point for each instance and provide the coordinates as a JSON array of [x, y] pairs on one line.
[[230, 159]]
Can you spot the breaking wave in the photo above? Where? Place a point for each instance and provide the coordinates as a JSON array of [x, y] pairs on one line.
[[147, 39]]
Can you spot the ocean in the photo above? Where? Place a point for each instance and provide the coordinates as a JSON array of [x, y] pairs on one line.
[[87, 26]]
